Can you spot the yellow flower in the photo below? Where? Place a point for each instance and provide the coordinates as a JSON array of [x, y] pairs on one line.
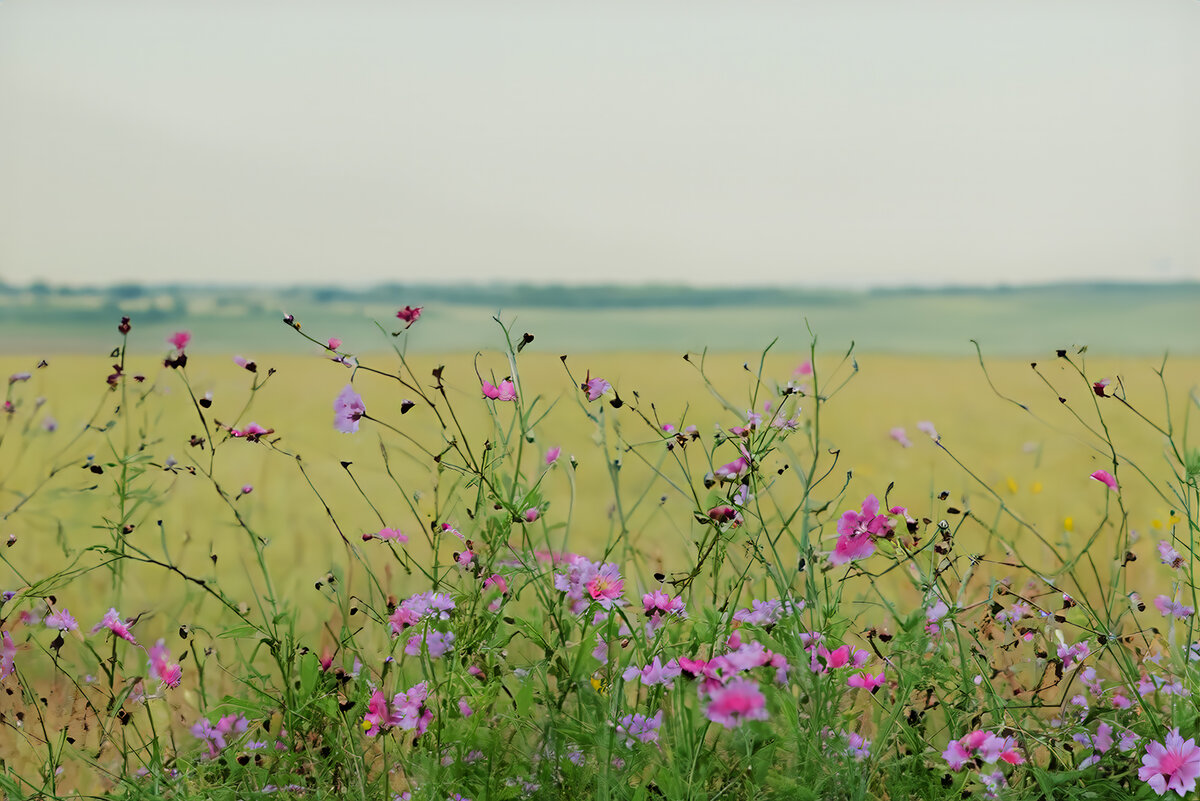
[[1068, 523], [1156, 523], [1012, 485], [1035, 487]]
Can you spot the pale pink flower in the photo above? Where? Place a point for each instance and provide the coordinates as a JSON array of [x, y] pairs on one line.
[[180, 339], [1169, 555], [8, 655], [655, 673], [738, 701], [61, 620], [348, 409], [464, 708], [901, 436], [1171, 765], [161, 667], [505, 392], [245, 364], [595, 388], [734, 470], [926, 427], [1169, 608], [866, 680], [1105, 478], [805, 368]]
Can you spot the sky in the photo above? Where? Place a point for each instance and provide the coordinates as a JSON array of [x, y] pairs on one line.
[[809, 142]]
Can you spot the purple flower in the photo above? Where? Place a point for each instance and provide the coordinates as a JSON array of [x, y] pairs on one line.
[[639, 728], [61, 620], [348, 410]]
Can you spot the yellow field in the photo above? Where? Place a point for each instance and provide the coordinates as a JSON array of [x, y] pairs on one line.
[[1040, 468]]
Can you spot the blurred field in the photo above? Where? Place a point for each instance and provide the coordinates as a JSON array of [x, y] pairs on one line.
[[1040, 468]]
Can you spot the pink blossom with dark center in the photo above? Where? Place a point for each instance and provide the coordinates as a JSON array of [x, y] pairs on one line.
[[409, 314]]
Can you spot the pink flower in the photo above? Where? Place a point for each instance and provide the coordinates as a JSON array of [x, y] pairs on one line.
[[247, 489], [1171, 765], [245, 364], [655, 673], [161, 668], [112, 621], [595, 388], [180, 339], [900, 436], [805, 368], [409, 314], [437, 643], [866, 680], [388, 534], [857, 532], [8, 655], [725, 514], [464, 708], [334, 343], [553, 454], [531, 514], [1169, 608], [505, 392], [737, 702], [1105, 478], [607, 585], [1169, 555], [734, 470], [1100, 386], [348, 409], [927, 427], [61, 620]]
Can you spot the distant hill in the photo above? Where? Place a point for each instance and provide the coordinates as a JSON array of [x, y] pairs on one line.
[[1016, 320]]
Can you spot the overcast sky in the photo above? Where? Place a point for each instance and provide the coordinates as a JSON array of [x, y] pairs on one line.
[[813, 143]]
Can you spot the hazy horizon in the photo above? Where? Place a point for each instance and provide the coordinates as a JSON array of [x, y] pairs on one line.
[[811, 144]]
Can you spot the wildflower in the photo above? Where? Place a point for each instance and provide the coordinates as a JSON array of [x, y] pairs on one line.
[[61, 620], [857, 531], [734, 470], [15, 377], [1169, 555], [1171, 765], [867, 681], [595, 388], [1169, 608], [161, 668], [388, 534], [983, 745], [180, 339], [900, 436], [348, 409], [334, 343], [658, 603], [1105, 478], [378, 715], [253, 432], [8, 655], [857, 748], [505, 392], [1099, 387], [805, 368], [464, 708], [409, 315], [607, 585], [411, 710], [112, 621], [761, 613], [926, 427], [738, 701], [552, 455], [437, 644], [725, 514], [214, 734], [655, 673], [1073, 654], [245, 364], [531, 514], [639, 728], [432, 605]]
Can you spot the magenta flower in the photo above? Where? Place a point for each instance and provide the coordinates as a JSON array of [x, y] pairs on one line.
[[464, 708], [734, 470], [388, 534], [553, 454], [247, 489], [409, 315], [1105, 478], [1099, 387], [987, 747], [595, 388], [857, 532], [334, 343], [505, 392], [867, 681], [161, 668], [253, 432], [735, 703], [805, 368], [1171, 765], [531, 514], [112, 621], [180, 339], [378, 715], [348, 410]]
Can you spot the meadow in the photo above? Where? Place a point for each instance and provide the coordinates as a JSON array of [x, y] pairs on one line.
[[449, 587]]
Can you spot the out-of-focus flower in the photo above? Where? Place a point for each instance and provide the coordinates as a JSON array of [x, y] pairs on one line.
[[180, 339], [161, 667], [409, 314], [348, 410], [735, 703], [901, 436]]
